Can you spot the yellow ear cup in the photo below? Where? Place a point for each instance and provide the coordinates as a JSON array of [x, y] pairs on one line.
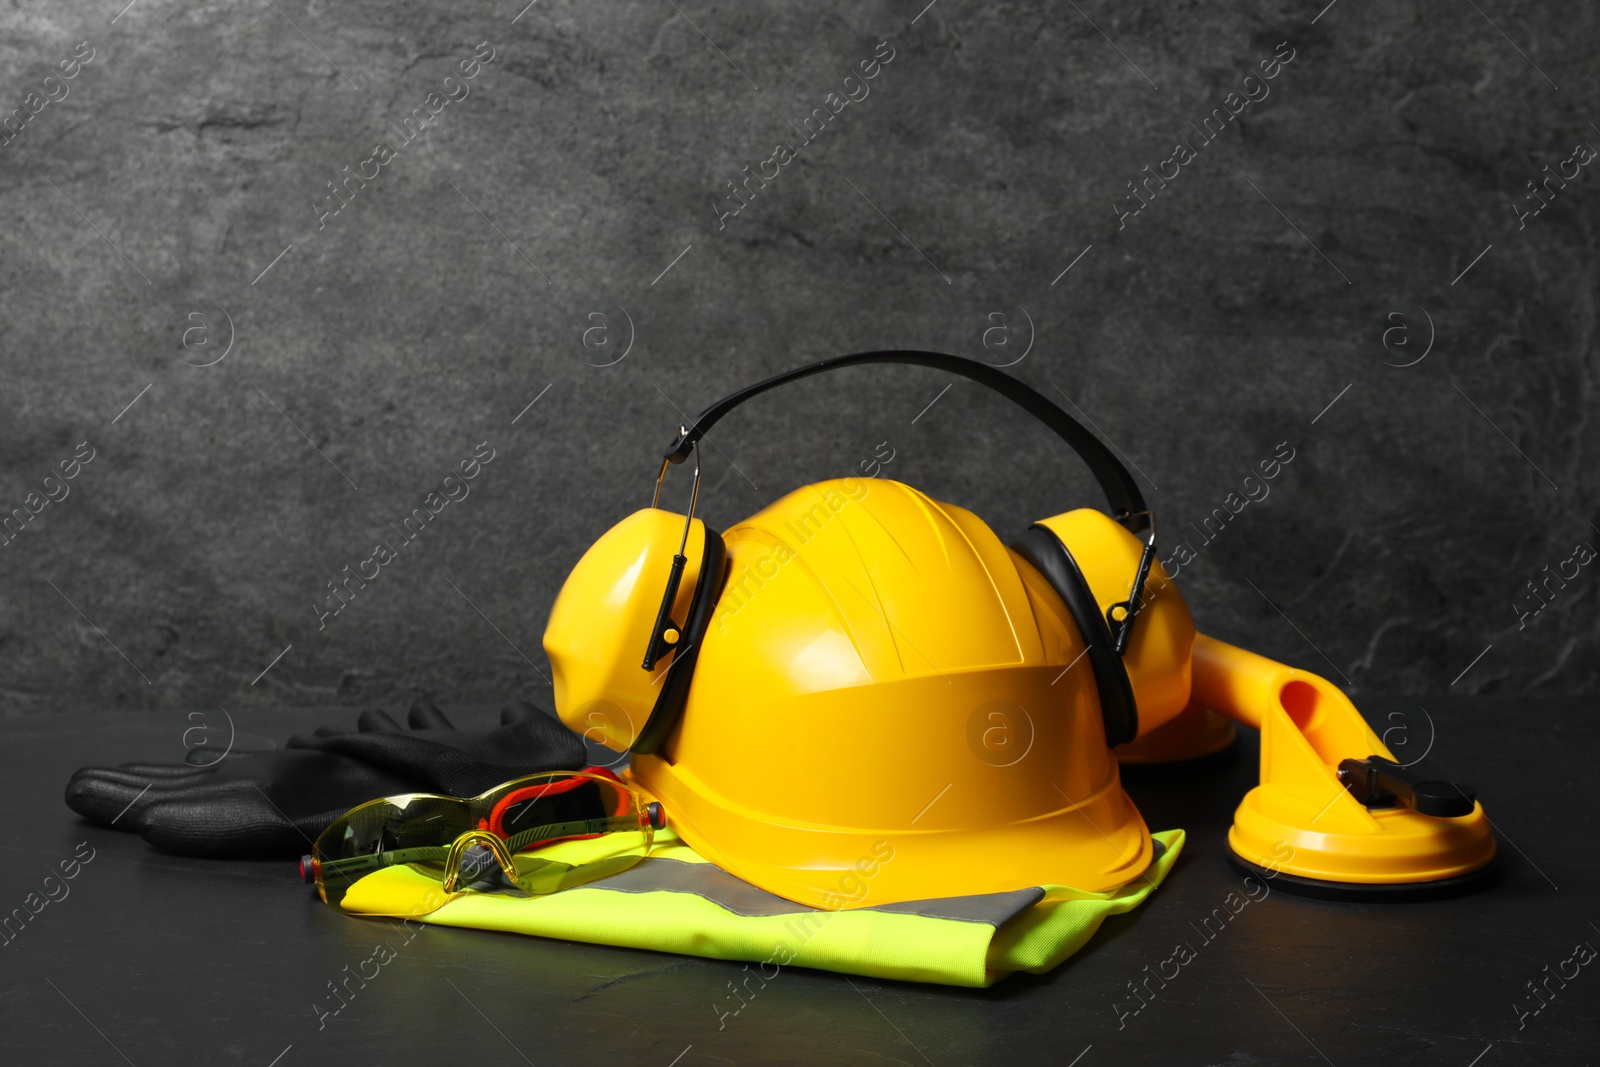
[[1157, 658], [602, 620]]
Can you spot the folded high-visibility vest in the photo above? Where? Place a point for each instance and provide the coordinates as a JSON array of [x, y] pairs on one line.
[[677, 901]]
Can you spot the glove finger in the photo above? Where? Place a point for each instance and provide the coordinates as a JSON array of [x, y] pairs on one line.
[[310, 740], [110, 797], [425, 715], [376, 720], [163, 770], [205, 758], [122, 777], [517, 711], [237, 825]]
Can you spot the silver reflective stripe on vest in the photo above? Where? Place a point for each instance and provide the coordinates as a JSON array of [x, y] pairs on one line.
[[711, 882]]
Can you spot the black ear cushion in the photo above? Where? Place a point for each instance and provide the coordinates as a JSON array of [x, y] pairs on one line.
[[674, 694], [1041, 547]]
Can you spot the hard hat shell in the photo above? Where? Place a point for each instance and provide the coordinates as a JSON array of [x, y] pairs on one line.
[[602, 620], [890, 705]]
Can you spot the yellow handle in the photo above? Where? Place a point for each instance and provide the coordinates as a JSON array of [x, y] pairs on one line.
[[1233, 681], [1249, 689]]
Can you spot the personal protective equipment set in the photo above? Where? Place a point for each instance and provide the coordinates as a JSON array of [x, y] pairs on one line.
[[882, 740]]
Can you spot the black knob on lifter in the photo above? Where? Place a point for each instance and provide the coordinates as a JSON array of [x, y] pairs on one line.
[[1381, 783]]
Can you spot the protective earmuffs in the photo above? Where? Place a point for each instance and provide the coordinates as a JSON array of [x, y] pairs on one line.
[[1105, 635]]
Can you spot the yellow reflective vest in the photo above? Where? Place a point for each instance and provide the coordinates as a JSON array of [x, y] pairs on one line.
[[677, 901]]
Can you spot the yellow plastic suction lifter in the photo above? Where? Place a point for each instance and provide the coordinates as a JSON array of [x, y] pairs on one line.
[[1301, 820]]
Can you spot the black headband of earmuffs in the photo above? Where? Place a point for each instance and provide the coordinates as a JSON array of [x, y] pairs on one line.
[[1105, 636], [1127, 503]]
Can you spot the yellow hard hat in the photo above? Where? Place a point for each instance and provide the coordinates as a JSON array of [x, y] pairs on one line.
[[870, 698]]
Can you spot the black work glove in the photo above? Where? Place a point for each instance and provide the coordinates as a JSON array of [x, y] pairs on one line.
[[437, 758], [272, 804]]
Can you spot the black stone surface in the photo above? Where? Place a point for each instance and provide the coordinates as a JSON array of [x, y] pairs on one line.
[[157, 959]]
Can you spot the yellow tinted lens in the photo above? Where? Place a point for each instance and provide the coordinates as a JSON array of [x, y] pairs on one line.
[[584, 826], [415, 830], [559, 867]]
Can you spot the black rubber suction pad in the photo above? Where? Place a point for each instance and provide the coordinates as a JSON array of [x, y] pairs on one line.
[[1367, 892]]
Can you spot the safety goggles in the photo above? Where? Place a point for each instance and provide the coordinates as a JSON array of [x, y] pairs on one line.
[[474, 843]]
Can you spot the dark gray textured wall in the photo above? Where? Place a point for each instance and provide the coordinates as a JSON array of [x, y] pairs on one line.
[[176, 199]]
